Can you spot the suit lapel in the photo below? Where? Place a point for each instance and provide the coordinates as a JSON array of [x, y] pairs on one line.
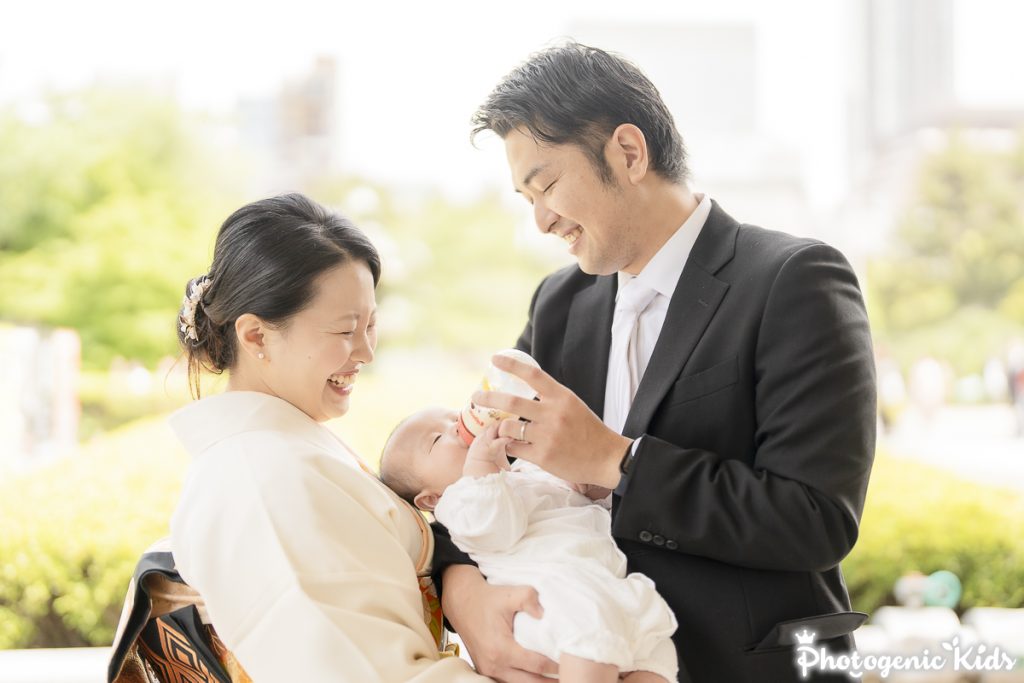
[[694, 302], [588, 340]]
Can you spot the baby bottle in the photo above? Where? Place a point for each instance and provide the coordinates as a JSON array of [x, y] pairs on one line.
[[475, 419]]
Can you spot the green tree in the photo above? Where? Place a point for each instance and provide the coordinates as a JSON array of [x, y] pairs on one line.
[[959, 254], [106, 202], [112, 199], [454, 277]]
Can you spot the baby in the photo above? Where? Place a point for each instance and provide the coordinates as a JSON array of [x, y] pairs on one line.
[[523, 526]]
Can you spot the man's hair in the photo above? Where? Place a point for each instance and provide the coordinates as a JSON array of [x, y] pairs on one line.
[[579, 95]]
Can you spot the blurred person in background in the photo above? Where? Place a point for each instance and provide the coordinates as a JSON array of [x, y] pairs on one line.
[[717, 376], [892, 390], [994, 377], [928, 386], [1015, 381]]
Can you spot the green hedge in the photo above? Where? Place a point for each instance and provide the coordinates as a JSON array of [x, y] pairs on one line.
[[109, 401], [918, 518], [70, 533]]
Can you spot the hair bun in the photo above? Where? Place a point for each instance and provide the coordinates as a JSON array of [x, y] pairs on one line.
[[194, 293], [267, 258]]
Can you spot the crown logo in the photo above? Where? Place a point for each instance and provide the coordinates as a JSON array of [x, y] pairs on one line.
[[805, 637]]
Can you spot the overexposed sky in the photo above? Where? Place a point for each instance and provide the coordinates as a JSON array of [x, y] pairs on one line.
[[989, 52], [413, 72]]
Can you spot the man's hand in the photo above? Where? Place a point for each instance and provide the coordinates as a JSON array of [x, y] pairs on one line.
[[563, 436], [482, 615]]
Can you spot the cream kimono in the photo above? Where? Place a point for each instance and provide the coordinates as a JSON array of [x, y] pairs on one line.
[[307, 563]]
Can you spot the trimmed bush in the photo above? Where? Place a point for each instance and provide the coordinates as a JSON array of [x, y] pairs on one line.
[[919, 518], [70, 533]]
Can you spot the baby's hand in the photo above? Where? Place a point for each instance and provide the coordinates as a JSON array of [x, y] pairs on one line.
[[592, 491], [487, 454]]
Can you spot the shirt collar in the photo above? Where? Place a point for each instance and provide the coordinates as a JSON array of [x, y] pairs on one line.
[[662, 272], [203, 423]]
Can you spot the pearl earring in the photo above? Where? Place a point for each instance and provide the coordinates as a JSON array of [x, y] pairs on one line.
[[260, 355]]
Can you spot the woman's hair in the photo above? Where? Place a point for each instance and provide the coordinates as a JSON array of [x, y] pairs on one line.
[[579, 95], [267, 257]]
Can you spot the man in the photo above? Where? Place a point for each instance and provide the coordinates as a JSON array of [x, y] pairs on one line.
[[717, 376]]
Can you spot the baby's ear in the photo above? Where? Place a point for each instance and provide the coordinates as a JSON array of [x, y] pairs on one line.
[[426, 501]]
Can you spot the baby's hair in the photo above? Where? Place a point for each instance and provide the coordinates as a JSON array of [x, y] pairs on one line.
[[398, 479]]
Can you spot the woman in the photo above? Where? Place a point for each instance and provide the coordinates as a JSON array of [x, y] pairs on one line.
[[307, 563]]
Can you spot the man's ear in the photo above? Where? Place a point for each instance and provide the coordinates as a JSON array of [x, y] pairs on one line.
[[627, 149], [426, 501], [250, 331]]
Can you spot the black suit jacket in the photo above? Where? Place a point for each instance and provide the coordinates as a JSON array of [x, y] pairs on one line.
[[757, 418]]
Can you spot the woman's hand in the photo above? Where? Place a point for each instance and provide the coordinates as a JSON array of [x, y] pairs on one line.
[[482, 615]]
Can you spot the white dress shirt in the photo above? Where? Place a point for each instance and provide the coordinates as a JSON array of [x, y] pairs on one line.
[[661, 274]]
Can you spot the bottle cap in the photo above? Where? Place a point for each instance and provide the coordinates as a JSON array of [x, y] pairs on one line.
[[464, 433]]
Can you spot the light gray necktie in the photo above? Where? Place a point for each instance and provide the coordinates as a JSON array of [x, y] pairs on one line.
[[623, 372]]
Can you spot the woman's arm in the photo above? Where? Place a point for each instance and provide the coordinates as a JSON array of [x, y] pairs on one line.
[[300, 565]]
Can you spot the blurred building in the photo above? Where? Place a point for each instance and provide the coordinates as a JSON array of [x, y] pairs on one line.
[[907, 53], [927, 67], [928, 71], [819, 131], [707, 73], [293, 134]]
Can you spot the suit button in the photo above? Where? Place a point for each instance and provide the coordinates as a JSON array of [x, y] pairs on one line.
[[658, 540], [646, 536], [671, 545]]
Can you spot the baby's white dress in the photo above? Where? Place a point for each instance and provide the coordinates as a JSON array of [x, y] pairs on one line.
[[527, 527]]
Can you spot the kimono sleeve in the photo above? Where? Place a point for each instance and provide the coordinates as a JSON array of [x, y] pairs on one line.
[[301, 568]]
